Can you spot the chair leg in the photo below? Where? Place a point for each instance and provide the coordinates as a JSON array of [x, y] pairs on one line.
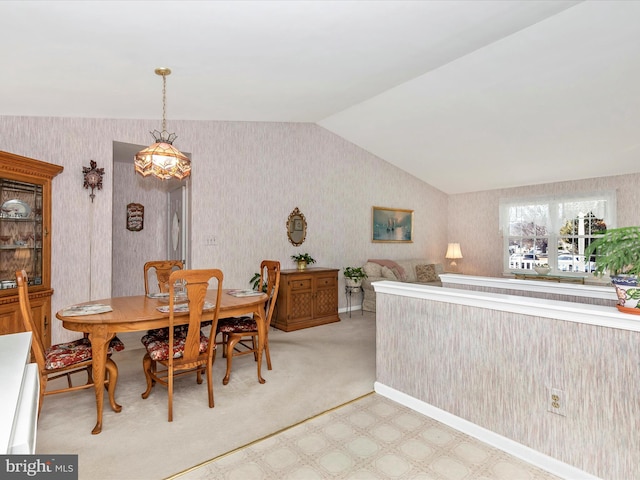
[[112, 370], [69, 383], [208, 372], [225, 340], [43, 387], [170, 392], [89, 374], [266, 351], [146, 367], [254, 347]]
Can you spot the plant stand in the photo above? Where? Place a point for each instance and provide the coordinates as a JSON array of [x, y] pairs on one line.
[[348, 292]]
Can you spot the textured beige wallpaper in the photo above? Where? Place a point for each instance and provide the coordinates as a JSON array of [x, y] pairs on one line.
[[493, 368], [247, 178], [132, 249]]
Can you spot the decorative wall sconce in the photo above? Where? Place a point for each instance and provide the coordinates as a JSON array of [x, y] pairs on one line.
[[93, 178]]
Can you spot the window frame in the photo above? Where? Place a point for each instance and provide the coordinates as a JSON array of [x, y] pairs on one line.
[[554, 223]]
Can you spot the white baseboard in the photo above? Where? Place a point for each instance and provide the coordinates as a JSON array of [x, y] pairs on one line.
[[354, 308], [529, 455]]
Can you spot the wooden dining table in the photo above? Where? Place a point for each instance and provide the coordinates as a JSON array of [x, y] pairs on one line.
[[141, 312]]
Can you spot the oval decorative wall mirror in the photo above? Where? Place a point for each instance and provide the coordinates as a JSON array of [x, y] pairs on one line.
[[296, 227]]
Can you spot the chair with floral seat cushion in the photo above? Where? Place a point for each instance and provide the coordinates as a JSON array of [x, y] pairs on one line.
[[237, 332], [64, 359], [190, 349]]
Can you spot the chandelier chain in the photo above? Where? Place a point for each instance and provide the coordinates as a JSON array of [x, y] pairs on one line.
[[162, 159], [164, 103]]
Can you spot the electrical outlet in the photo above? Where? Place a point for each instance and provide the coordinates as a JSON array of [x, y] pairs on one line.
[[557, 400]]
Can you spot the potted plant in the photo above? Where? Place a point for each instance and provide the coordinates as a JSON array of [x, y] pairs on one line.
[[353, 276], [255, 282], [617, 252], [302, 259]]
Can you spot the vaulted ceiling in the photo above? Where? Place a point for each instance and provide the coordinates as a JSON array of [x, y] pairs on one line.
[[465, 95]]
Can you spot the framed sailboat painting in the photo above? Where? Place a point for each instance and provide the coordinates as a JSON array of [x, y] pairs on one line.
[[391, 225]]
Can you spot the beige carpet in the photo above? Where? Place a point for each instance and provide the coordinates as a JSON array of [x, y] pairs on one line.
[[314, 369]]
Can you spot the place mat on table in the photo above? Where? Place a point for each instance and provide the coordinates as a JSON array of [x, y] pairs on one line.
[[90, 309], [183, 307], [158, 295], [244, 293]]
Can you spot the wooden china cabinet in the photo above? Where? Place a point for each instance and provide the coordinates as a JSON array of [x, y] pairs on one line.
[[306, 298], [25, 239]]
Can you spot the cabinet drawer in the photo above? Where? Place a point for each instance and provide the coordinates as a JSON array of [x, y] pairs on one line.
[[326, 281], [300, 284]]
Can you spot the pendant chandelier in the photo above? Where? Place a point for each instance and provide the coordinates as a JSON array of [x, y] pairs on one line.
[[162, 159]]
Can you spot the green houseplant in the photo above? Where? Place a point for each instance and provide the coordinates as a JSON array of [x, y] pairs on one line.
[[303, 259], [255, 282], [354, 276], [617, 253]]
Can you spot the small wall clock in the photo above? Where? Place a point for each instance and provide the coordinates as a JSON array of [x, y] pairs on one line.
[[93, 177]]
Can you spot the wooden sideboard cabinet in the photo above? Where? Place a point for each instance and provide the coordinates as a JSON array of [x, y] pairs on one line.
[[307, 298], [25, 240]]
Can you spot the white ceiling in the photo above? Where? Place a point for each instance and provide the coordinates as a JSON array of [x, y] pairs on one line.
[[465, 95]]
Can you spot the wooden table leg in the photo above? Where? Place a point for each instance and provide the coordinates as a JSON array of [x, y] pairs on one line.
[[99, 338], [262, 332]]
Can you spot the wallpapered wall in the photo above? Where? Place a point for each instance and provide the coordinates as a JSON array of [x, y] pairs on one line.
[[474, 222], [132, 249], [247, 178], [497, 368]]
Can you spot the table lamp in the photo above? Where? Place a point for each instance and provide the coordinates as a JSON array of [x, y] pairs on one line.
[[453, 253]]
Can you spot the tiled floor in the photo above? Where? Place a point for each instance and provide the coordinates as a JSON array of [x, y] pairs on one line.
[[371, 438]]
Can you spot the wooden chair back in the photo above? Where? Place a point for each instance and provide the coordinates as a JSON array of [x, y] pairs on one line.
[[163, 269], [37, 345], [271, 270], [196, 283]]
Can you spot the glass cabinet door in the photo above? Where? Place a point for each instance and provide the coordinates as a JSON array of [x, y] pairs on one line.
[[20, 232]]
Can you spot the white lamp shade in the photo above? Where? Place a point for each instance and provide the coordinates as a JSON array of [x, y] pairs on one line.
[[453, 251]]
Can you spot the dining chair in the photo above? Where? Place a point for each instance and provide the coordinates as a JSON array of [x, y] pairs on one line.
[[162, 269], [64, 359], [190, 349], [237, 332]]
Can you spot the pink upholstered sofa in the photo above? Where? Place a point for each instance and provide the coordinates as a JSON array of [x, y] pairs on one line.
[[413, 271]]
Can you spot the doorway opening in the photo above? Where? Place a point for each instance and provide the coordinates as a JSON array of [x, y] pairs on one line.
[[166, 222]]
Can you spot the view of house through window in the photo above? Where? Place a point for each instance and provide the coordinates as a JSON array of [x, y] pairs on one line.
[[554, 232]]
